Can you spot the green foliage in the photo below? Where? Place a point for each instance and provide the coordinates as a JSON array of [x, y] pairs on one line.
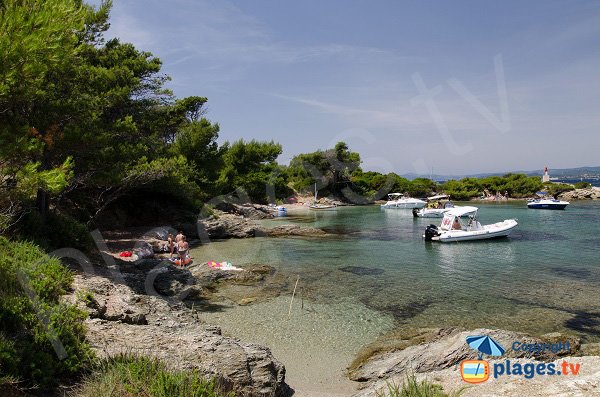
[[251, 166], [582, 185], [331, 170], [555, 189], [54, 231], [515, 185], [29, 327], [413, 388], [130, 375]]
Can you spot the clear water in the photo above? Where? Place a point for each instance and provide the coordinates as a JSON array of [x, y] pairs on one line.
[[544, 278]]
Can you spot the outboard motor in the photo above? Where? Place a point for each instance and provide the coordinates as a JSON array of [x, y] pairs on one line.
[[415, 211], [431, 231]]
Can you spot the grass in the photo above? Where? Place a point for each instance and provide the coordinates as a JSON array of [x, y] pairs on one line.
[[129, 375], [413, 388]]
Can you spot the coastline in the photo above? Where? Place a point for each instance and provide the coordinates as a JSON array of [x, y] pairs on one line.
[[241, 305]]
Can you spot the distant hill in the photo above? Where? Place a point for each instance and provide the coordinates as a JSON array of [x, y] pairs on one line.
[[571, 173]]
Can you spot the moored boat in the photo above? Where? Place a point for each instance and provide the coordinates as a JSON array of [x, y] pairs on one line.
[[547, 204], [451, 229], [316, 206], [437, 207], [399, 201]]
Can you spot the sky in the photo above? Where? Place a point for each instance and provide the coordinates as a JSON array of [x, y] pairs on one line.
[[414, 86]]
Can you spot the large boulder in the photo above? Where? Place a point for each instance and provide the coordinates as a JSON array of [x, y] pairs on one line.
[[441, 349], [153, 325], [592, 193]]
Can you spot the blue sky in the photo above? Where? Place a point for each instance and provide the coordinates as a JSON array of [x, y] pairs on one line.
[[414, 86]]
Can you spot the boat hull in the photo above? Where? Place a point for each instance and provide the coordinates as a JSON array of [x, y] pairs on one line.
[[541, 206], [496, 230], [439, 212], [323, 208], [401, 206]]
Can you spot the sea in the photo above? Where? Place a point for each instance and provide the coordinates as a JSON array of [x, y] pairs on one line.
[[374, 273]]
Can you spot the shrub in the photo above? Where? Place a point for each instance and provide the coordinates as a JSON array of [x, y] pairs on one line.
[[413, 388], [30, 328], [583, 185], [130, 375], [55, 231]]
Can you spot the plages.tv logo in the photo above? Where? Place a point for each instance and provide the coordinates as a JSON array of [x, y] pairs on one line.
[[477, 371]]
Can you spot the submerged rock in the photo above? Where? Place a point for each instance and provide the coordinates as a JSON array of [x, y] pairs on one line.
[[362, 270], [293, 230]]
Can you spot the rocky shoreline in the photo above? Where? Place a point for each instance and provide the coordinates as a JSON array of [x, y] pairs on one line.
[[151, 307], [144, 308], [592, 193]]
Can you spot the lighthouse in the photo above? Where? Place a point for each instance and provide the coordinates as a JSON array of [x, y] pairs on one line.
[[546, 177]]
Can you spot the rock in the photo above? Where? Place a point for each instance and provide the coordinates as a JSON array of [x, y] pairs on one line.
[[446, 349], [107, 301], [246, 301], [123, 321], [293, 230], [592, 193], [143, 250], [160, 233], [250, 211], [173, 281], [223, 225]]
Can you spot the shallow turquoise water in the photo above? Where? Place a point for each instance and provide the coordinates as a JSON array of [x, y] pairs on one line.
[[545, 277]]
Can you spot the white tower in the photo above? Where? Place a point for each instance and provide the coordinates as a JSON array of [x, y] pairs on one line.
[[546, 177]]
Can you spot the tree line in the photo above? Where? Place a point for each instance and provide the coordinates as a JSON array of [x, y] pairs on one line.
[[85, 122]]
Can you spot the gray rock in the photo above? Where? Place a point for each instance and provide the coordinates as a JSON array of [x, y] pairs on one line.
[[293, 230], [592, 193], [123, 321], [444, 351]]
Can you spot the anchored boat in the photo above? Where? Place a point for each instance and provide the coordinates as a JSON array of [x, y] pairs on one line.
[[399, 201], [452, 229], [436, 208], [547, 204]]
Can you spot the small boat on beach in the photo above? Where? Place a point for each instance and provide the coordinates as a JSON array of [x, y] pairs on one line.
[[399, 201], [451, 228], [547, 204], [316, 206], [323, 207]]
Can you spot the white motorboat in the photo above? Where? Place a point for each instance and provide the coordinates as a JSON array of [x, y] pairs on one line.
[[547, 204], [439, 212], [399, 201], [436, 208], [451, 228]]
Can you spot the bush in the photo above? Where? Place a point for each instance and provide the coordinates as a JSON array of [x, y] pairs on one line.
[[54, 231], [583, 185], [555, 189], [27, 352], [413, 388], [130, 375]]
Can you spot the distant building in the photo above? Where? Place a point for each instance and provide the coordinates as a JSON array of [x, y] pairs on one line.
[[546, 177]]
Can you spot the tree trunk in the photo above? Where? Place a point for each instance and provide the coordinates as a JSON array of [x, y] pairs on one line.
[[42, 202]]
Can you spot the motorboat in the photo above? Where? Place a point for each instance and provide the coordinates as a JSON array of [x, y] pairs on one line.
[[399, 201], [436, 208], [547, 204], [452, 229], [439, 212]]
